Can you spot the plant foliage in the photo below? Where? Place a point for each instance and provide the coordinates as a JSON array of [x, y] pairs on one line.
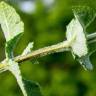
[[13, 28]]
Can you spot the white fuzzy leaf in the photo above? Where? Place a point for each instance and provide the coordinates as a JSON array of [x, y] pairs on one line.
[[79, 46], [10, 21]]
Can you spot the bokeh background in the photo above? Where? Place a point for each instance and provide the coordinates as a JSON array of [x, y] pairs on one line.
[[58, 74]]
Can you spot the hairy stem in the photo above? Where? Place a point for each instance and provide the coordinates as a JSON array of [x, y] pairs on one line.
[[63, 46]]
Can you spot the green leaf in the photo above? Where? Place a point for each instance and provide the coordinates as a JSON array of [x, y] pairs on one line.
[[11, 25], [84, 14], [32, 88]]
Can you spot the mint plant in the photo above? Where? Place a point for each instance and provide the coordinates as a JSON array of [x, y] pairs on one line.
[[77, 43]]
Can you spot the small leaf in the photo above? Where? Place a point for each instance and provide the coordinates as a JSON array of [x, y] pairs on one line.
[[84, 14], [28, 48], [32, 88]]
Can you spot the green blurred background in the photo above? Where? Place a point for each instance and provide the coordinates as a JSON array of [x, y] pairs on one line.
[[58, 74]]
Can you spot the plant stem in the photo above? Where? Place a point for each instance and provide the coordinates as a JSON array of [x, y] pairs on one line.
[[91, 36], [63, 46]]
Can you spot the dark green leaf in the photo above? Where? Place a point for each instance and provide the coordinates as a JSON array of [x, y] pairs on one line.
[[84, 14], [32, 88], [10, 46]]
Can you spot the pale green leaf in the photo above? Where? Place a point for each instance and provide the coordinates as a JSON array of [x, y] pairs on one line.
[[10, 21]]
